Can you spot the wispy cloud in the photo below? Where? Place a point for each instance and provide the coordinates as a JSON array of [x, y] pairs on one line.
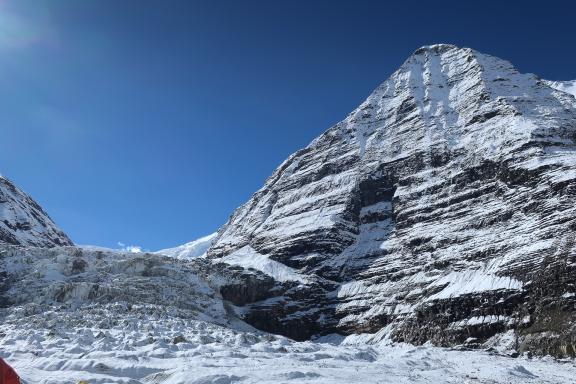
[[129, 248]]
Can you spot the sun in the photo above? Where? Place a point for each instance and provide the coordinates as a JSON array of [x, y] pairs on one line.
[[23, 24]]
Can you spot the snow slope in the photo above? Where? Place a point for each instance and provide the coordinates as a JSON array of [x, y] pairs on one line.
[[196, 248], [248, 258], [564, 86]]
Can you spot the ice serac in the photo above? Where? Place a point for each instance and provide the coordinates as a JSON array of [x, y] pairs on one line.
[[71, 289], [442, 209], [24, 222]]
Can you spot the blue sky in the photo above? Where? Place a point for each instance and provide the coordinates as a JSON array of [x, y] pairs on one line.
[[149, 122]]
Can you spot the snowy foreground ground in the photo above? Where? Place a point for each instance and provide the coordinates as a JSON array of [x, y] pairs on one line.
[[143, 351]]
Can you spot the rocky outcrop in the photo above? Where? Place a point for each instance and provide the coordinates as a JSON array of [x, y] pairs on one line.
[[24, 222], [442, 209]]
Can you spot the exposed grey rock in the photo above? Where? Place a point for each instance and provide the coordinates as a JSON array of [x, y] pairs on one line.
[[179, 339], [442, 209]]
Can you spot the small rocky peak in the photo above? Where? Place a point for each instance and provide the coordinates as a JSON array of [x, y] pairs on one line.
[[24, 222], [435, 49]]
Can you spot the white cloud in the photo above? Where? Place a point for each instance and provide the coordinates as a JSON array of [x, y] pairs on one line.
[[129, 248]]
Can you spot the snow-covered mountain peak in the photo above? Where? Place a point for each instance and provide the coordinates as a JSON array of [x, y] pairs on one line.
[[24, 222], [457, 98], [443, 99], [436, 48], [445, 187]]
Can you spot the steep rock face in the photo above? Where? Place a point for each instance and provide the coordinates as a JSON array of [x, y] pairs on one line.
[[24, 222], [441, 209]]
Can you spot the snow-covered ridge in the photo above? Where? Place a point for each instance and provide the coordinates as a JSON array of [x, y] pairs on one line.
[[196, 248]]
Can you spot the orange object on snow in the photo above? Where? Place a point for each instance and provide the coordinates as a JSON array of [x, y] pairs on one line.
[[7, 374]]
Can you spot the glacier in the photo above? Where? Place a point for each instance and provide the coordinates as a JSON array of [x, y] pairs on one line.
[[105, 316]]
